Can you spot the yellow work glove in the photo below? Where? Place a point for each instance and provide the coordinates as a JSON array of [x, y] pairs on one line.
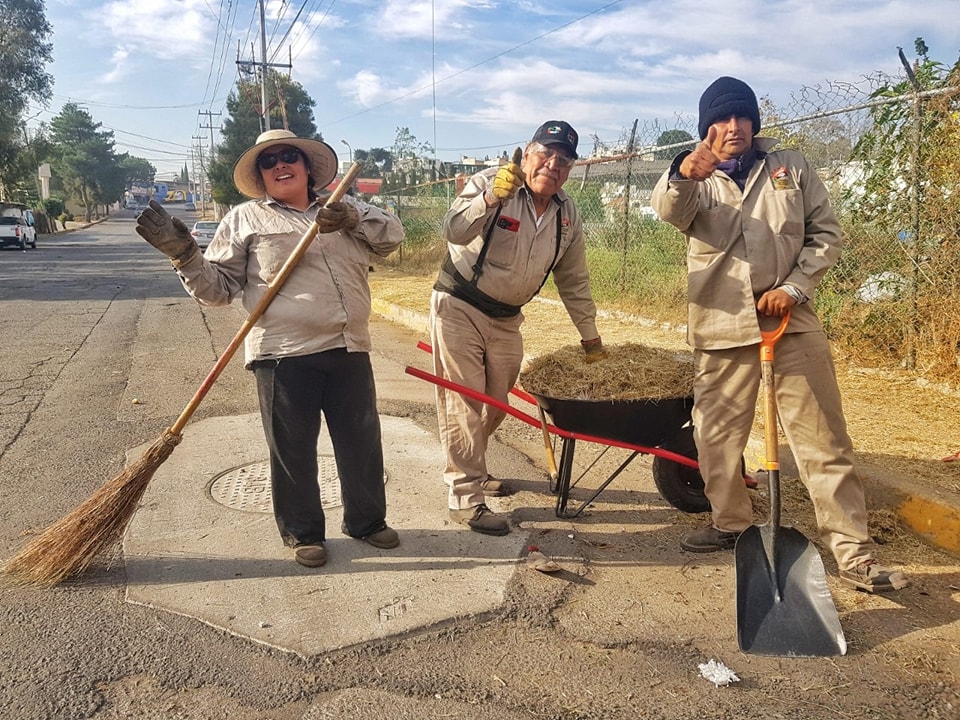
[[509, 178]]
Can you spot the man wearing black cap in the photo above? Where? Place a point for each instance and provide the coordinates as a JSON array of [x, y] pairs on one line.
[[760, 236], [506, 232]]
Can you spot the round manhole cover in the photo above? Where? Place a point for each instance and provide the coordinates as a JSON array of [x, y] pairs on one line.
[[247, 487]]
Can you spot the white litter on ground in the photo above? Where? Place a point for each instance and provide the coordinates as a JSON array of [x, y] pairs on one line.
[[718, 673]]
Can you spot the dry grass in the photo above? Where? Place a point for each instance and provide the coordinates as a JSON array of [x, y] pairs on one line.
[[627, 372]]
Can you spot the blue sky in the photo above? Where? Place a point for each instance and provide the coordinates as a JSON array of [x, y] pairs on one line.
[[469, 77]]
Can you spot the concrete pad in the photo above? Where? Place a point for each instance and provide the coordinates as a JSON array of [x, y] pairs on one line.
[[189, 554]]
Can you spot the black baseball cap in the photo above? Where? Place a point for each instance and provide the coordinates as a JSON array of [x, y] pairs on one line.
[[557, 132]]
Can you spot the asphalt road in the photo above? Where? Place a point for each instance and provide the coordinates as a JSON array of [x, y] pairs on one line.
[[619, 634]]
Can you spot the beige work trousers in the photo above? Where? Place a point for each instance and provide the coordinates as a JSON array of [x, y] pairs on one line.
[[483, 354], [726, 389]]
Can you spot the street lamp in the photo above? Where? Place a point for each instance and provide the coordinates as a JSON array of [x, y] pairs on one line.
[[350, 149]]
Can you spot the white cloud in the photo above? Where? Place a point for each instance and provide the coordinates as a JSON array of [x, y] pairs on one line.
[[501, 66], [423, 19]]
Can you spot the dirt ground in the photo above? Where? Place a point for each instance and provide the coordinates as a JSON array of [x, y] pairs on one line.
[[639, 646]]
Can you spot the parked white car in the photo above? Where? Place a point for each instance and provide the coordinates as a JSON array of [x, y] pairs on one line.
[[17, 232], [203, 231]]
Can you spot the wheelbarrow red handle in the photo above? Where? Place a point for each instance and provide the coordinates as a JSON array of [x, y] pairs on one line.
[[522, 416]]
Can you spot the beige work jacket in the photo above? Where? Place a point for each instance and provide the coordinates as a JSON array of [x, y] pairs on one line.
[[522, 251], [779, 230], [325, 302]]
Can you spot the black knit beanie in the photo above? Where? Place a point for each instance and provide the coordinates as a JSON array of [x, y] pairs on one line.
[[727, 96]]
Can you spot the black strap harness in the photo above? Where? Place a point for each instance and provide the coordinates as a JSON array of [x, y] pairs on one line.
[[451, 281]]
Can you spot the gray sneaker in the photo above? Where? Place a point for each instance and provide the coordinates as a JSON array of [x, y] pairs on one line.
[[481, 519], [869, 576]]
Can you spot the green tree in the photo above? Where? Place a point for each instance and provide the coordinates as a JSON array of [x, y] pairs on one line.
[[24, 52], [408, 157], [137, 171], [672, 137], [909, 161], [241, 126], [912, 144], [375, 161], [85, 159]]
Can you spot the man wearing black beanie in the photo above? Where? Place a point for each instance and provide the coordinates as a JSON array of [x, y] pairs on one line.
[[760, 236], [727, 96]]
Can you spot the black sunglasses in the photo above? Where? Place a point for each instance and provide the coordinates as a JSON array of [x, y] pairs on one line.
[[268, 160]]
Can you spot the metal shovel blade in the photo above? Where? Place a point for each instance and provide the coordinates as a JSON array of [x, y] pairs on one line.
[[784, 606]]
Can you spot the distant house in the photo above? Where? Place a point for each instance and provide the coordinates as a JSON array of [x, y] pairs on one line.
[[362, 186]]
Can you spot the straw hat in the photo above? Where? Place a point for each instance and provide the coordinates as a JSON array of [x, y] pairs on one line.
[[323, 161]]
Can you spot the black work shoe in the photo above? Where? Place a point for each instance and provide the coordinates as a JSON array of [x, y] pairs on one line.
[[709, 539], [310, 556], [384, 539], [481, 519], [869, 576], [493, 487]]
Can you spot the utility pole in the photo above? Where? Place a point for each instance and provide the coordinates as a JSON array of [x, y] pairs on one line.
[[263, 65], [203, 182], [209, 126]]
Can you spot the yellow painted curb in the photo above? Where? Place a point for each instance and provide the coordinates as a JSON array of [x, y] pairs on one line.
[[937, 524]]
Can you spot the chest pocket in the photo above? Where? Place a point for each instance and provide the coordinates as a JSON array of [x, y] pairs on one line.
[[272, 250], [510, 256], [783, 209], [275, 239]]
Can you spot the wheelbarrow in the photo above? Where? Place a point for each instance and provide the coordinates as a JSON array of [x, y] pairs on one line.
[[660, 428]]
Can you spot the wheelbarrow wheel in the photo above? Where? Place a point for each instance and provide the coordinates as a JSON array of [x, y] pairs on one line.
[[680, 485]]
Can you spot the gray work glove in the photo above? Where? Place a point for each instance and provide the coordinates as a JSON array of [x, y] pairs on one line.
[[167, 234], [337, 216], [594, 349]]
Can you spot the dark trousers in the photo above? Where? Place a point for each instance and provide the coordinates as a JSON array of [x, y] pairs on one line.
[[293, 392]]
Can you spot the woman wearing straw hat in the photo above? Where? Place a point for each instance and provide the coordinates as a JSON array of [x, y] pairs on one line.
[[310, 349]]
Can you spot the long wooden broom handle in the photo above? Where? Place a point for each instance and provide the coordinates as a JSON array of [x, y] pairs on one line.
[[272, 289]]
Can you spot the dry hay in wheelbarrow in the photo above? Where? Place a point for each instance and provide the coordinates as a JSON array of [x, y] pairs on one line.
[[628, 372]]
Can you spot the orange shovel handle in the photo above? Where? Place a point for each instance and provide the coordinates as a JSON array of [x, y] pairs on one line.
[[767, 341]]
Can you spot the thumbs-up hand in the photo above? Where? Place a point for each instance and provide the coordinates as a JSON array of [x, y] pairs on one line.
[[509, 178], [702, 162]]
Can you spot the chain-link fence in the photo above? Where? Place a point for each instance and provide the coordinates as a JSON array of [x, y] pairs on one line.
[[892, 164]]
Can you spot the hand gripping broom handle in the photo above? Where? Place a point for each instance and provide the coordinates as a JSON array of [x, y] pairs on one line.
[[272, 289]]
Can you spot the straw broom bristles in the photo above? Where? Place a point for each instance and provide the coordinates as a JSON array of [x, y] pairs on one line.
[[66, 548]]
